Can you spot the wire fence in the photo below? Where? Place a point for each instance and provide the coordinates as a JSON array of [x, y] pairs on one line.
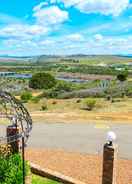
[[17, 115]]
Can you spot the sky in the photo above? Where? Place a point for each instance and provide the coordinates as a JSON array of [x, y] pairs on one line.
[[62, 27]]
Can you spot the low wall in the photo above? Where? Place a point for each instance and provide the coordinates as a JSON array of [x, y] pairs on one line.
[[53, 175]]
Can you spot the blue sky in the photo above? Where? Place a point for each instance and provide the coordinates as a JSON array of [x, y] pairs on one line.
[[34, 27]]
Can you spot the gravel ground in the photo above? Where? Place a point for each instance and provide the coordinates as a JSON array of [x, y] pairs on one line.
[[84, 167]]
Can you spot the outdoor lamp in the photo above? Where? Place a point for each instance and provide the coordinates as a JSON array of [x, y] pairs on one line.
[[14, 120], [111, 136]]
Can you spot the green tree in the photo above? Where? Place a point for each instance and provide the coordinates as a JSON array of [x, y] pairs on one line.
[[26, 96], [122, 77], [42, 81]]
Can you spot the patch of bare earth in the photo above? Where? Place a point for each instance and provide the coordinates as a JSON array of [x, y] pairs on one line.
[[122, 117], [84, 167]]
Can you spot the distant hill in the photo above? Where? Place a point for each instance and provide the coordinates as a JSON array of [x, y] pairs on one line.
[[82, 58], [128, 56]]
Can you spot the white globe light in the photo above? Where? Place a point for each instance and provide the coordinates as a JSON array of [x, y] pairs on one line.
[[111, 136]]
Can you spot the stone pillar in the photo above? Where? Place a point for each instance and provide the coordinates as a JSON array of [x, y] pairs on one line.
[[109, 164], [12, 132]]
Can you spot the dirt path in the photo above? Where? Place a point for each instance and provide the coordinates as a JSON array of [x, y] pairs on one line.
[[82, 117], [86, 168]]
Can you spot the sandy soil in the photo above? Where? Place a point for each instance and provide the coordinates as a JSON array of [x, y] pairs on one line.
[[70, 111], [86, 168], [66, 117]]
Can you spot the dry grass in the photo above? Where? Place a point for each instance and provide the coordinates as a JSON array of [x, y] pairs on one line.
[[69, 110]]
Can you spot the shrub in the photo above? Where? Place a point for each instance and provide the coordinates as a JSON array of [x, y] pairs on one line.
[[59, 88], [50, 93], [54, 102], [26, 96], [129, 92], [35, 99], [44, 105], [78, 100], [11, 169], [42, 81], [62, 86], [122, 76], [108, 98], [88, 104]]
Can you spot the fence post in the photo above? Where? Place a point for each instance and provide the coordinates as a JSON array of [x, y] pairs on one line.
[[12, 132], [109, 163]]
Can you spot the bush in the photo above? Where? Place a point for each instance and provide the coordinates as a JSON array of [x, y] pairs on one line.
[[62, 86], [42, 81], [78, 100], [44, 105], [88, 104], [11, 169], [26, 96], [50, 93], [35, 99], [122, 76], [59, 88], [54, 102]]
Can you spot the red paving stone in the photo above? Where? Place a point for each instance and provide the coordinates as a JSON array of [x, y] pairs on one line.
[[84, 167]]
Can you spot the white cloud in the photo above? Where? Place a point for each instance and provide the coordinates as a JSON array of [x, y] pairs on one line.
[[98, 37], [41, 5], [106, 7], [37, 30], [18, 43], [47, 42], [24, 31], [21, 37], [75, 37], [45, 18], [50, 15]]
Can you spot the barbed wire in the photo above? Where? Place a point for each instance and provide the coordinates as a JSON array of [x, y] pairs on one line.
[[17, 114]]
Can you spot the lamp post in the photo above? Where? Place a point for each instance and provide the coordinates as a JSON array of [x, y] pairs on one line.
[[110, 160], [111, 137], [23, 158]]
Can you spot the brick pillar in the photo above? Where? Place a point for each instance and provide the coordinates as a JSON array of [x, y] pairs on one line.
[[12, 132], [109, 164]]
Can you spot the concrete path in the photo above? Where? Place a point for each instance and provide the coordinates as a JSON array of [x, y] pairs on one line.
[[85, 138]]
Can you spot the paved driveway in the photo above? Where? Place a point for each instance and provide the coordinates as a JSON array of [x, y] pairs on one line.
[[85, 138]]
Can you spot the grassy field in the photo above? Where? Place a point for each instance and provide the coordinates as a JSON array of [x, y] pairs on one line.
[[102, 105], [40, 180], [105, 60], [70, 111]]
